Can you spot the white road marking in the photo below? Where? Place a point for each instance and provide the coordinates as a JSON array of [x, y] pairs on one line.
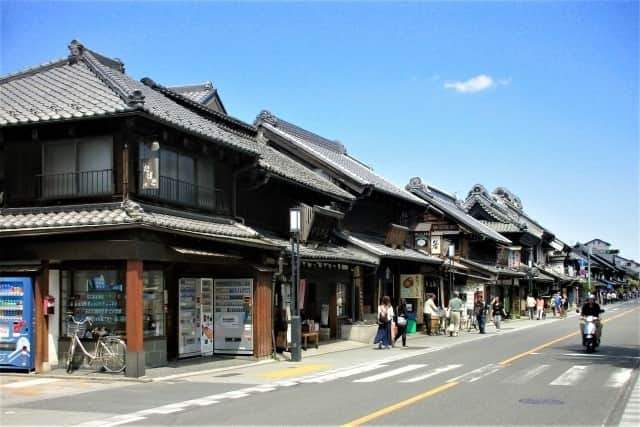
[[476, 374], [608, 356], [29, 383], [431, 374], [631, 414], [571, 376], [342, 373], [390, 373], [523, 377], [619, 377]]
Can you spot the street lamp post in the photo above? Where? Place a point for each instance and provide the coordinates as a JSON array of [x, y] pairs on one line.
[[589, 270], [530, 276], [296, 324], [452, 252]]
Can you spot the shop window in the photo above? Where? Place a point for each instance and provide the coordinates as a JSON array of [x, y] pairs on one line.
[[153, 288], [98, 294]]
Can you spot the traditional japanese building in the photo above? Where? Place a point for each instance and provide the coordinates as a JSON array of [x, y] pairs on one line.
[[475, 265], [123, 200], [378, 222], [502, 211]]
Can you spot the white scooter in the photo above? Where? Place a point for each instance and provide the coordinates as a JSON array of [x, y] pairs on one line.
[[589, 338]]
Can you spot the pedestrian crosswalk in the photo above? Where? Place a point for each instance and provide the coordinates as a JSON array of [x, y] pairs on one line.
[[388, 371], [551, 375]]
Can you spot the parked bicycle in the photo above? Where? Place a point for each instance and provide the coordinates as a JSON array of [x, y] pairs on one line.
[[110, 351]]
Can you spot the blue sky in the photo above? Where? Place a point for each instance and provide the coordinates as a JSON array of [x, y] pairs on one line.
[[539, 97]]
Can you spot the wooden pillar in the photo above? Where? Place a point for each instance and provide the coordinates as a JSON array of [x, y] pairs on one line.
[[262, 315], [135, 308], [41, 289]]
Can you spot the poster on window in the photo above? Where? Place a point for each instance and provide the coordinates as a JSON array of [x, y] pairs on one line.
[[411, 286], [233, 316], [150, 174]]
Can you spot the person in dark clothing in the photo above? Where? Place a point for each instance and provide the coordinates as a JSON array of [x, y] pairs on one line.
[[498, 311], [480, 311], [591, 308], [401, 322]]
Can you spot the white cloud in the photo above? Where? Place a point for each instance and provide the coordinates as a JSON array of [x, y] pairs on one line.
[[474, 84]]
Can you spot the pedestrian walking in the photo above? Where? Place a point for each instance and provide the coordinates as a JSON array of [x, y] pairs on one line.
[[480, 311], [385, 318], [531, 306], [455, 311], [401, 322], [557, 304], [498, 311], [539, 308], [428, 312]]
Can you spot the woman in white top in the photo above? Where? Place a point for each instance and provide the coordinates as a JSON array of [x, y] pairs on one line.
[[385, 317]]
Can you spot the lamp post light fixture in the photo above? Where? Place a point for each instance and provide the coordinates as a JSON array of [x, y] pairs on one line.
[[296, 324]]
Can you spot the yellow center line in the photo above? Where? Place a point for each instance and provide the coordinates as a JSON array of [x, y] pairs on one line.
[[392, 408], [400, 405], [293, 371]]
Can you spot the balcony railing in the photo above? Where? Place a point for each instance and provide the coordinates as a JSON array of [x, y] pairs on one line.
[[75, 184], [184, 193]]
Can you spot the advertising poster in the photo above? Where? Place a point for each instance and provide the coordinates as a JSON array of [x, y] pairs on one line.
[[233, 316], [411, 286]]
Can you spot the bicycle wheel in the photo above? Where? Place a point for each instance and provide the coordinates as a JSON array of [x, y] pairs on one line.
[[112, 353], [70, 353]]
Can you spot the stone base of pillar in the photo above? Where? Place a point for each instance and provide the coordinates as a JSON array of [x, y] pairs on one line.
[[135, 364]]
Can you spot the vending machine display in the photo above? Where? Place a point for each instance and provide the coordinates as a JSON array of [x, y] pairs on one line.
[[196, 317], [16, 323], [233, 316], [189, 315], [206, 313]]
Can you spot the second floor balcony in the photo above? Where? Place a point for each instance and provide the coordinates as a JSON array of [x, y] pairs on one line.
[[74, 184], [174, 191]]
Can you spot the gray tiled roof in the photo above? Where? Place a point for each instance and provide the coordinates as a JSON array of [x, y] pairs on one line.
[[200, 93], [327, 252], [82, 218], [375, 245], [450, 205], [504, 207], [493, 269], [501, 227], [333, 155], [90, 85]]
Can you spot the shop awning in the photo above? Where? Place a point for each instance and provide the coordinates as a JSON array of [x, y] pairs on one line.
[[327, 252], [374, 245], [109, 216], [491, 269]]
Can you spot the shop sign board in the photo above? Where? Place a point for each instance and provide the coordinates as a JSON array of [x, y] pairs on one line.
[[436, 245], [411, 286]]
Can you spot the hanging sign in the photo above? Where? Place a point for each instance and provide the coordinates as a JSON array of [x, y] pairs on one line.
[[150, 180]]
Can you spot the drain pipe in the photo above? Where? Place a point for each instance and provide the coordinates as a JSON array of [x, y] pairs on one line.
[[234, 188]]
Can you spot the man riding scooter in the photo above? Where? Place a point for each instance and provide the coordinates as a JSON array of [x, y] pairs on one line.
[[591, 308]]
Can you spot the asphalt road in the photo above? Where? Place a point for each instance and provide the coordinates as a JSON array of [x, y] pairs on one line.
[[535, 376]]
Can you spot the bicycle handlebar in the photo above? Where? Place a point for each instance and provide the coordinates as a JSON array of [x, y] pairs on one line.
[[86, 320]]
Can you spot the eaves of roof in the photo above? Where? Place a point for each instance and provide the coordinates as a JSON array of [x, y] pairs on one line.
[[335, 160], [375, 246], [108, 216]]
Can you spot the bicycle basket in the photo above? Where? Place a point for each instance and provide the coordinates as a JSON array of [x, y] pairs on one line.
[[80, 329]]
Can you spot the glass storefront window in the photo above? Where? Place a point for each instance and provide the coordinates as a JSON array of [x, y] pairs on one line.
[[153, 282], [98, 294]]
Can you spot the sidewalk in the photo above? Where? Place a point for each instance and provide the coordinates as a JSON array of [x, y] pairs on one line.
[[208, 365]]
